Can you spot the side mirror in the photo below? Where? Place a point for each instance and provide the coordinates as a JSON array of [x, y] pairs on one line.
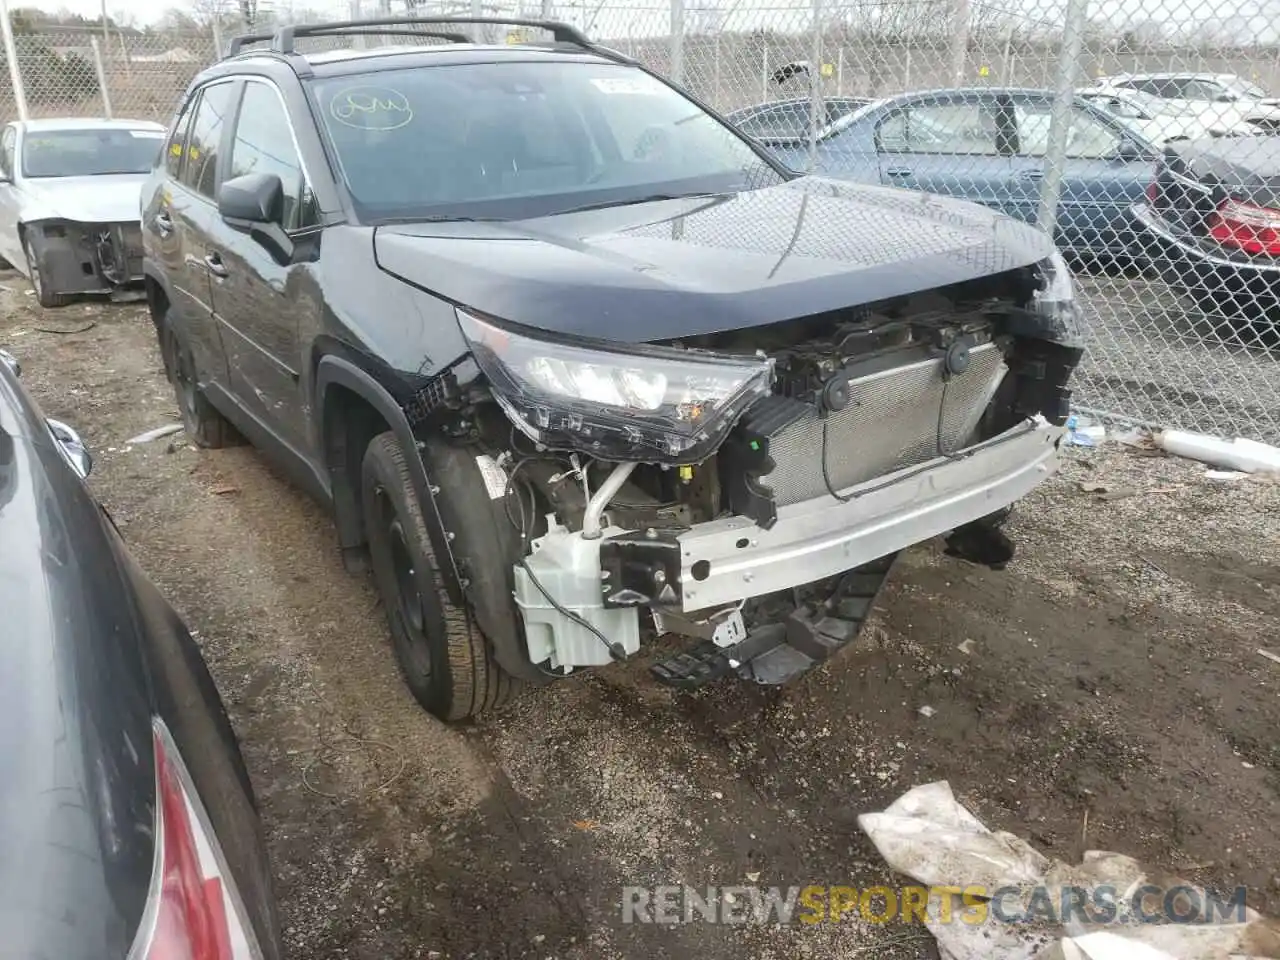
[[72, 447], [11, 363], [254, 204], [253, 198]]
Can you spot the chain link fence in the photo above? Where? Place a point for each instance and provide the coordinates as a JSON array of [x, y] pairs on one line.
[[1144, 135]]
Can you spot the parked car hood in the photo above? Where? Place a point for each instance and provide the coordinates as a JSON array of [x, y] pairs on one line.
[[691, 266], [77, 794], [1249, 166], [103, 199]]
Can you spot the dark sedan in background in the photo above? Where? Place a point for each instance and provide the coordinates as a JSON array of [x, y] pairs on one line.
[[127, 822], [1212, 217], [988, 145]]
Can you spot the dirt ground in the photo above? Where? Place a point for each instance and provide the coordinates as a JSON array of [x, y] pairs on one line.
[[1112, 679]]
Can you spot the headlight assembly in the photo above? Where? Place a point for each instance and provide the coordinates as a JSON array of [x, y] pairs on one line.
[[1054, 303], [639, 403]]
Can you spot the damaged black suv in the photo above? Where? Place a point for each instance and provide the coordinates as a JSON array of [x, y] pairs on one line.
[[579, 366]]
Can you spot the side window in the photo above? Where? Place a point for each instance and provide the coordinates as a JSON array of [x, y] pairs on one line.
[[7, 141], [785, 121], [971, 129], [1089, 137], [173, 151], [200, 171], [263, 144]]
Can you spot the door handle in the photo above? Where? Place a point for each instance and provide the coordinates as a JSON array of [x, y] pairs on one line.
[[164, 224], [899, 171], [214, 262], [1032, 175]]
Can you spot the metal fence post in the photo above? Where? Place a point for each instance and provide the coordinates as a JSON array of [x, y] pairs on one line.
[[715, 70], [217, 37], [101, 70], [764, 69], [1060, 116], [11, 54], [840, 72], [959, 40], [677, 40], [815, 84]]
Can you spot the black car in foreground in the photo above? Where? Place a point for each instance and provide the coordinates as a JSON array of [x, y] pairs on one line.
[[127, 822], [576, 363], [1212, 221]]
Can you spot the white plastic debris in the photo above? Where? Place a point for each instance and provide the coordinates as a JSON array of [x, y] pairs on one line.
[[926, 711], [929, 836], [1082, 433], [156, 434], [1248, 456]]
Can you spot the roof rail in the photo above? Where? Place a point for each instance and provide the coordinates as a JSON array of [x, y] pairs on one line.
[[282, 41], [239, 43]]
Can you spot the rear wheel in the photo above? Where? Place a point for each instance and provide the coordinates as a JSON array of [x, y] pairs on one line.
[[39, 283], [443, 655], [203, 423]]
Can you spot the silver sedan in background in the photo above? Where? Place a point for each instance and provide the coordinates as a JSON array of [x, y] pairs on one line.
[[69, 203]]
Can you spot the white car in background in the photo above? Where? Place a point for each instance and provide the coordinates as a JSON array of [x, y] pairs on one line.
[[70, 196], [1214, 97], [1160, 120]]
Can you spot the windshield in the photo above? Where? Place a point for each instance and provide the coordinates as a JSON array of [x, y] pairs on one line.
[[89, 153], [523, 139]]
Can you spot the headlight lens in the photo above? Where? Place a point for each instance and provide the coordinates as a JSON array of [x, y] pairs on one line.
[[1054, 303], [647, 403]]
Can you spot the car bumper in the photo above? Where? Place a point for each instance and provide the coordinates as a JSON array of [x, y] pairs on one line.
[[81, 257], [1185, 263], [725, 560]]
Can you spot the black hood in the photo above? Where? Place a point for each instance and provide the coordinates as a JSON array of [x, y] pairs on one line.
[[1246, 166], [675, 268]]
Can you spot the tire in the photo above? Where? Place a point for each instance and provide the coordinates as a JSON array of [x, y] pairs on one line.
[[204, 424], [47, 298], [443, 656]]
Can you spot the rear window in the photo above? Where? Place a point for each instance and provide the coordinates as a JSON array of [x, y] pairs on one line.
[[88, 153], [518, 139]]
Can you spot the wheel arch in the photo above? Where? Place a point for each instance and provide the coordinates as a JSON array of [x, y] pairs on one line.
[[349, 403]]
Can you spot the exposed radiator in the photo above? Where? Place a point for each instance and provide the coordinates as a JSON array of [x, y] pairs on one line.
[[895, 418]]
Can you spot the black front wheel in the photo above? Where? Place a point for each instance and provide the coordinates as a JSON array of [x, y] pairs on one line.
[[443, 655]]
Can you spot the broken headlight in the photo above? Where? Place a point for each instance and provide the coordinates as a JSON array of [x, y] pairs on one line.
[[640, 403], [1054, 305]]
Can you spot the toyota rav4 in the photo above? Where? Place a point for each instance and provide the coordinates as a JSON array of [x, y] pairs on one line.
[[579, 367]]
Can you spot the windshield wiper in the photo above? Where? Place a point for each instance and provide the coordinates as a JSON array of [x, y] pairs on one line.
[[651, 198]]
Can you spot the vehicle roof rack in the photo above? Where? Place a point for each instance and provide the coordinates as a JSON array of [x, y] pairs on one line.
[[282, 41]]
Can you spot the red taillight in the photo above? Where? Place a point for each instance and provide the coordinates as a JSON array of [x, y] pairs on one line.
[[1247, 227], [1153, 192], [194, 912]]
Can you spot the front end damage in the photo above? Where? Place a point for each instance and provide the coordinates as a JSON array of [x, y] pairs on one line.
[[80, 258], [746, 492]]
